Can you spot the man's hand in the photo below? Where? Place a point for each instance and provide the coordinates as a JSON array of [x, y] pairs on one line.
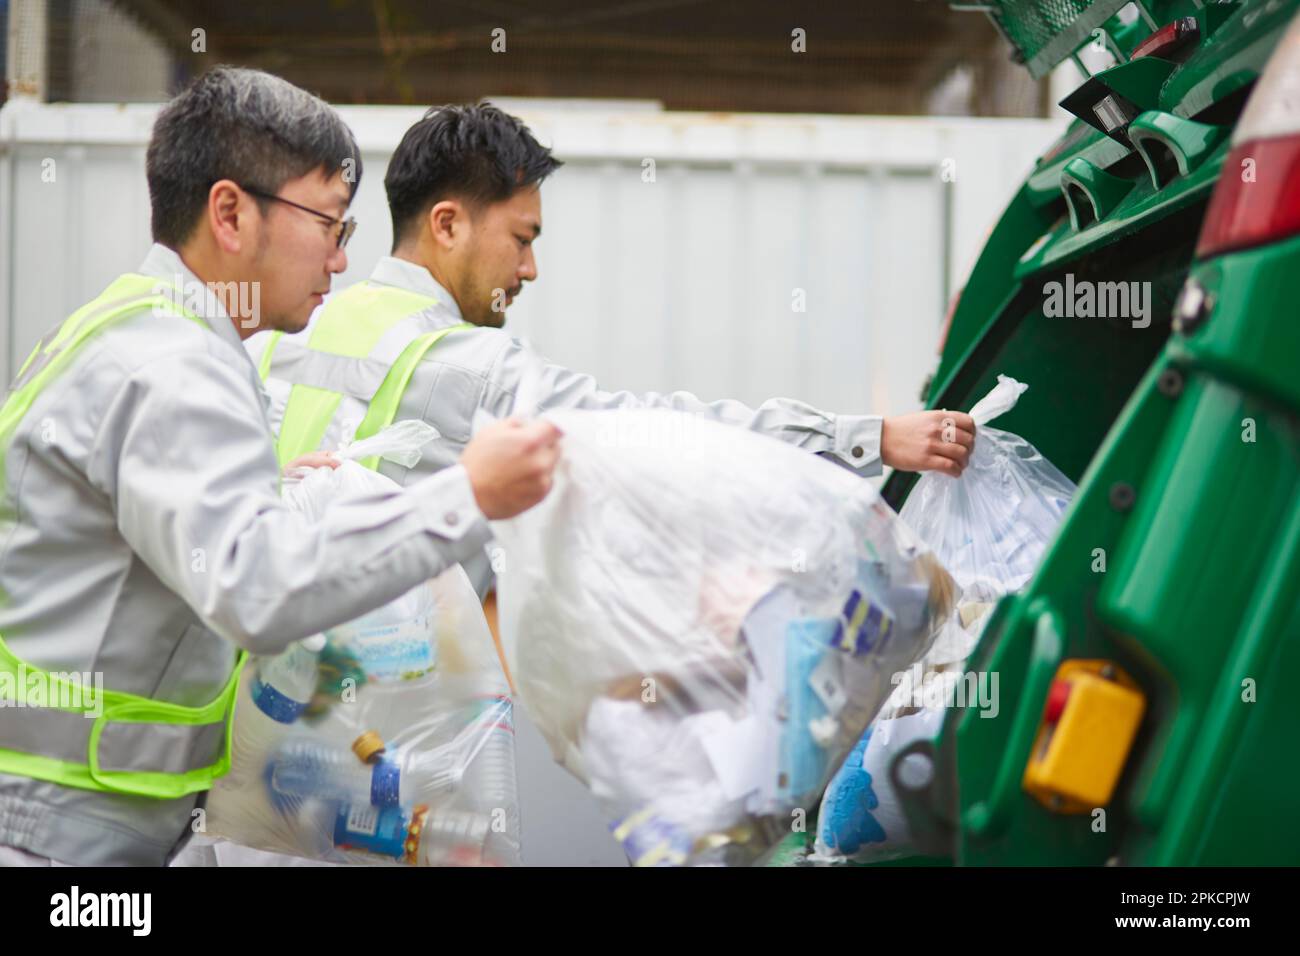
[[313, 459], [928, 441], [509, 465]]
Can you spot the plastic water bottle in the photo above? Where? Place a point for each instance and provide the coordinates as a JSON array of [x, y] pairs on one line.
[[489, 786], [416, 836], [284, 684], [478, 827], [270, 700], [394, 642], [306, 767]]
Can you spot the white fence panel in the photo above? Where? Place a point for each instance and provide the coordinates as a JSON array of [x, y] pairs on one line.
[[693, 280]]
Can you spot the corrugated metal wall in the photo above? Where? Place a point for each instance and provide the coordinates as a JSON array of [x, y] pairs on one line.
[[691, 278]]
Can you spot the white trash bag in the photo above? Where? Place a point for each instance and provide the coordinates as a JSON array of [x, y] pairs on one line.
[[702, 620], [387, 740], [990, 527]]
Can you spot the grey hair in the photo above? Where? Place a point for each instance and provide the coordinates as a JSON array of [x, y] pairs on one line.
[[244, 125]]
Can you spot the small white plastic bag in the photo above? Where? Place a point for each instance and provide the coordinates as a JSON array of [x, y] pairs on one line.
[[990, 527]]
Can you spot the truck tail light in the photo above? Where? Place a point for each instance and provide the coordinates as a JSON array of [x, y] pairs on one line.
[[1257, 199]]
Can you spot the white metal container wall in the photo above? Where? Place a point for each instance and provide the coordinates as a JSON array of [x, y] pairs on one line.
[[689, 281]]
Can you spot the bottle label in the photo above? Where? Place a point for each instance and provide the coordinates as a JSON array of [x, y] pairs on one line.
[[864, 626], [363, 820], [649, 840], [391, 652], [384, 831], [275, 704], [385, 784]]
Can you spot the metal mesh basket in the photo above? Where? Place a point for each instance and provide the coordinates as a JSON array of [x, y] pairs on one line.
[[1032, 24], [1046, 32]]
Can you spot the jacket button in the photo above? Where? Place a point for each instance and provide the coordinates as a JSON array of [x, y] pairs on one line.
[[451, 518], [857, 451]]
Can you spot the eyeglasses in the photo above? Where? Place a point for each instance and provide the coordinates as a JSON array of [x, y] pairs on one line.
[[346, 227]]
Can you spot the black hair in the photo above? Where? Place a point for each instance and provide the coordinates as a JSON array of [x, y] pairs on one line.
[[477, 154], [244, 125]]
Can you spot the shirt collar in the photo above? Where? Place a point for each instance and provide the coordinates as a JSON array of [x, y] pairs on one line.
[[166, 264], [414, 278]]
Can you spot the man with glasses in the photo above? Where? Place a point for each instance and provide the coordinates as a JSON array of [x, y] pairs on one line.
[[143, 544]]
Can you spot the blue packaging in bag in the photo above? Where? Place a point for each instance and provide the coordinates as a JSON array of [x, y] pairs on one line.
[[803, 760]]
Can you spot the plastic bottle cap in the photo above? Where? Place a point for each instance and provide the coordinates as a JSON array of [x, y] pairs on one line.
[[315, 643], [368, 747]]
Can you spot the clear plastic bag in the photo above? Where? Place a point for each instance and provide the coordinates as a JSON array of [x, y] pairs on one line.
[[403, 750], [989, 527], [702, 621]]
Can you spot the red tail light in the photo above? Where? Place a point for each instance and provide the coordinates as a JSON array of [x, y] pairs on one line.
[[1257, 199], [1165, 41]]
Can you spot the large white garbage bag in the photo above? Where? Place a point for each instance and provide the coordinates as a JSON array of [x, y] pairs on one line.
[[702, 621]]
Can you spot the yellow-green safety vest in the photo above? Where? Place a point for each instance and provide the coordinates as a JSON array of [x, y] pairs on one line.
[[341, 361], [128, 715]]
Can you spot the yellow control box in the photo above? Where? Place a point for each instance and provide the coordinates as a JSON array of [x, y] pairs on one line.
[[1091, 719]]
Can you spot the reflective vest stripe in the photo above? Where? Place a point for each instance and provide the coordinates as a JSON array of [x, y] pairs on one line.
[[264, 366], [304, 365], [383, 407]]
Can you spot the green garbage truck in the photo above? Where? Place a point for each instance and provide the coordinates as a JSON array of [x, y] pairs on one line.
[[1145, 282]]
